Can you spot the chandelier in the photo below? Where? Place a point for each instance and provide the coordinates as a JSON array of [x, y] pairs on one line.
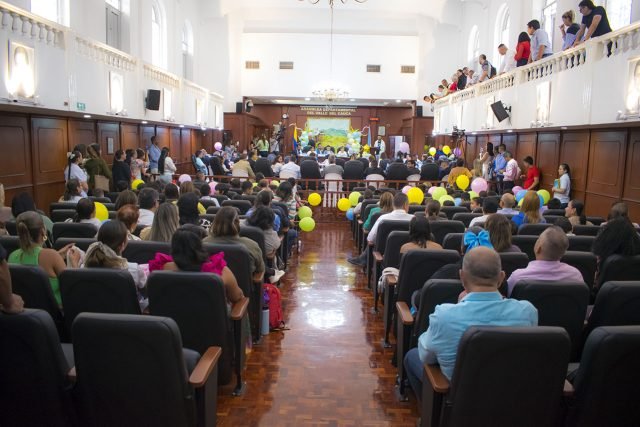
[[331, 92]]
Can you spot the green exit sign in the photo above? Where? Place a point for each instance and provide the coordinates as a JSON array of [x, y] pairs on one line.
[[81, 106]]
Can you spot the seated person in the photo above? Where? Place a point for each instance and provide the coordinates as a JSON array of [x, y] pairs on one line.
[[188, 254], [86, 213], [128, 215], [32, 234], [126, 197], [420, 236], [10, 303], [205, 194], [23, 202], [432, 211], [549, 249], [481, 275], [385, 205], [529, 211], [575, 212], [507, 205], [200, 180], [458, 171], [107, 253], [332, 167], [489, 208], [165, 222], [617, 237], [618, 210], [263, 217], [499, 229], [473, 237], [72, 191]]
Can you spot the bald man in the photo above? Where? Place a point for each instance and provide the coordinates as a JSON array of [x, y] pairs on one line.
[[549, 249], [481, 275], [507, 204]]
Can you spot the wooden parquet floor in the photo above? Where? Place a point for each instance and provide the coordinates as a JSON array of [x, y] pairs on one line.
[[329, 368]]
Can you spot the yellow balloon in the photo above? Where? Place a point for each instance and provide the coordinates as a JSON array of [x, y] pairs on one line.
[[135, 183], [545, 196], [101, 212], [314, 199], [438, 193], [307, 224], [415, 195], [354, 198], [462, 181], [445, 198], [344, 204], [305, 212], [446, 150], [275, 182], [432, 151]]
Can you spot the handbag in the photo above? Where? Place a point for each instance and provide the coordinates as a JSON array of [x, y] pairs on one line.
[[101, 182]]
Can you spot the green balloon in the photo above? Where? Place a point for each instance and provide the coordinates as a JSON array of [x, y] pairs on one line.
[[305, 212], [307, 224], [354, 197], [438, 193]]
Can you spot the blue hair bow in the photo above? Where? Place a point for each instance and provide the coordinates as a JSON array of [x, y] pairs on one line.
[[473, 240]]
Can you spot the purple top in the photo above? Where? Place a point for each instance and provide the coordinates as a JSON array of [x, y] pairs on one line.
[[545, 270]]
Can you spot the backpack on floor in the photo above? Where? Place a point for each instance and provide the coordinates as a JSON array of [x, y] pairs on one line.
[[272, 299]]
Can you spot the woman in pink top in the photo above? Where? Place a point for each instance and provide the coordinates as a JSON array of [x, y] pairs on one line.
[[187, 254]]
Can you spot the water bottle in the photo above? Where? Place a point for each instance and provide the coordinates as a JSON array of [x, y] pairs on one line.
[[264, 330]]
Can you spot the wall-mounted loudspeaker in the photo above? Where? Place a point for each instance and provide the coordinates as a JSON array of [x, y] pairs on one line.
[[152, 101], [419, 111], [238, 107], [500, 111]]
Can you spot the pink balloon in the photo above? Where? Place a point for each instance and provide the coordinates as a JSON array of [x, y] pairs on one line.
[[212, 186], [184, 178], [404, 147], [406, 189], [516, 189], [217, 146], [479, 184], [432, 189]]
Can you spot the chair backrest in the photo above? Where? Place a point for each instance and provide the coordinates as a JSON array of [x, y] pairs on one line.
[[532, 229], [384, 229], [413, 209], [464, 217], [97, 290], [242, 205], [375, 177], [131, 371], [453, 241], [596, 220], [581, 243], [353, 169], [586, 262], [607, 383], [557, 212], [255, 234], [367, 209], [33, 372], [586, 230], [551, 219], [526, 244], [334, 181], [536, 359], [240, 173], [10, 243], [374, 218], [207, 203], [433, 293], [80, 242], [142, 251], [74, 229], [511, 261], [309, 169], [395, 240], [237, 258], [62, 205], [451, 211], [619, 267], [32, 284], [103, 199], [194, 300], [414, 178], [617, 304], [561, 304], [11, 227], [263, 165], [251, 198], [61, 215], [439, 229], [212, 210], [429, 172], [286, 174], [417, 266]]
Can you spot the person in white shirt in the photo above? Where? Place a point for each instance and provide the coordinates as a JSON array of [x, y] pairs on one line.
[[380, 146], [508, 62], [166, 167], [511, 172], [148, 201], [73, 170], [290, 166], [399, 213]]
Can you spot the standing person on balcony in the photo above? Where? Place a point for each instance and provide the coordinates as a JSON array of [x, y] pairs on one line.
[[523, 49], [488, 70], [594, 22], [462, 78], [569, 29], [540, 44], [508, 62]]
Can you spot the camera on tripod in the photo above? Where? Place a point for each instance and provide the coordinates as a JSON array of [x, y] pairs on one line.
[[457, 133]]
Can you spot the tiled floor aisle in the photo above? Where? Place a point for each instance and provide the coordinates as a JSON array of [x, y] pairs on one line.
[[330, 368]]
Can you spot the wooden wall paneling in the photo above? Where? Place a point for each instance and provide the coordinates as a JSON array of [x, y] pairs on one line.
[[146, 132], [129, 136], [474, 151], [607, 151], [548, 150], [631, 191], [108, 130], [174, 146], [422, 130], [15, 166], [527, 147], [470, 150], [81, 132], [574, 151], [599, 204], [510, 140], [186, 149], [234, 123], [162, 136], [49, 145]]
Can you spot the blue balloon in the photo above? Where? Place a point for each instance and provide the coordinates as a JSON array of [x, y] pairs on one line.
[[520, 195], [457, 201], [350, 214], [541, 200]]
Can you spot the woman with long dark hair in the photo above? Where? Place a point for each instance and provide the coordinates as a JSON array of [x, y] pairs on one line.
[[72, 191], [166, 167], [486, 158], [575, 212], [74, 170], [523, 49], [420, 236]]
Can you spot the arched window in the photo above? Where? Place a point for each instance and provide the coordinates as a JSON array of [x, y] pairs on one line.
[[473, 46], [53, 10], [549, 13], [618, 12], [158, 38], [503, 28], [187, 50]]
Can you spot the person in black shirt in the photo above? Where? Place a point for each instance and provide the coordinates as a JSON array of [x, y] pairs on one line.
[[10, 303], [121, 172], [462, 80], [594, 18]]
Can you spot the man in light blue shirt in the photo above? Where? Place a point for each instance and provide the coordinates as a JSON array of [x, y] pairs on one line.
[[481, 275], [540, 44], [154, 155], [499, 165]]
